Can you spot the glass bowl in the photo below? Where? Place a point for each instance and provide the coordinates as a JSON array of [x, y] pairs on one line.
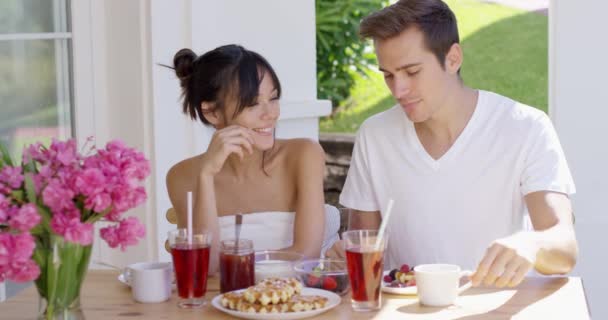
[[326, 274], [274, 263]]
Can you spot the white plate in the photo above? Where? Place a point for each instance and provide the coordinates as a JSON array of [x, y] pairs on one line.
[[408, 291], [333, 300]]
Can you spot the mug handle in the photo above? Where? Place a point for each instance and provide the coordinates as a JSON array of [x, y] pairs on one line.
[[127, 272], [465, 273]]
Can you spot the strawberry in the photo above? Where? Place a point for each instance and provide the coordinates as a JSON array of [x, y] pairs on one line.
[[312, 281], [388, 278], [405, 268], [329, 283]]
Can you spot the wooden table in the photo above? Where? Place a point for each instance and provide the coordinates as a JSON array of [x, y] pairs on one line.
[[104, 297]]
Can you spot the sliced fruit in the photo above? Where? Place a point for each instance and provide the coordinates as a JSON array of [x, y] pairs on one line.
[[329, 283], [392, 274], [312, 281]]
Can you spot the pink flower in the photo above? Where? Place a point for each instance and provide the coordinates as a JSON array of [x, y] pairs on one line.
[[4, 270], [6, 247], [23, 247], [32, 152], [11, 176], [57, 196], [125, 234], [25, 218], [74, 188], [64, 152], [15, 247], [98, 202], [72, 229], [90, 181], [4, 205], [24, 271]]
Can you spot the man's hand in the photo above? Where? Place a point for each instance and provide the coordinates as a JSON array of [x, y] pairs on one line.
[[507, 261], [336, 251]]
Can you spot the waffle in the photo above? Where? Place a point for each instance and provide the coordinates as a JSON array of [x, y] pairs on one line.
[[306, 303], [274, 295], [231, 300], [272, 291], [296, 303]]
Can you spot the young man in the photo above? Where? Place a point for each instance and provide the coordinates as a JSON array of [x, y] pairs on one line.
[[464, 166]]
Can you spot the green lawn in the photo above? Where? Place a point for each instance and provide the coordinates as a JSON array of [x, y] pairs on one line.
[[505, 51]]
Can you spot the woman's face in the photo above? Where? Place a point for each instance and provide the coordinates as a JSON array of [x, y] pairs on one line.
[[261, 118]]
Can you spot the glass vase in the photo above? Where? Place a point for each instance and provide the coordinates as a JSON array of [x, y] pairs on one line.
[[63, 266]]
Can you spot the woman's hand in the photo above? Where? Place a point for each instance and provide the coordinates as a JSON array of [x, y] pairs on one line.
[[233, 139]]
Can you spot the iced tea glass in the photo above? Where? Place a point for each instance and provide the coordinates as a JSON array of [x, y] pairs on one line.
[[191, 265], [364, 260], [237, 265]]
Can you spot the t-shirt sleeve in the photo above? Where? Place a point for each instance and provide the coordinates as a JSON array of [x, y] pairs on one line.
[[358, 192], [545, 167]]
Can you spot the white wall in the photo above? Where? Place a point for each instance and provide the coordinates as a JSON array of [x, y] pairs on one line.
[[282, 31], [121, 92], [579, 108]]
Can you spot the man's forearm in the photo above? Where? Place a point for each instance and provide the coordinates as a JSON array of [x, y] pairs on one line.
[[557, 250]]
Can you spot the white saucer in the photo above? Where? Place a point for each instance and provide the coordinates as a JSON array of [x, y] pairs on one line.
[[408, 291]]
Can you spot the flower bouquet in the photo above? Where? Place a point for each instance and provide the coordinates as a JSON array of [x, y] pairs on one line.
[[48, 205]]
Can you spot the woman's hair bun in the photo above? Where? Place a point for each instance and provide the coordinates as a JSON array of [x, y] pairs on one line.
[[183, 63]]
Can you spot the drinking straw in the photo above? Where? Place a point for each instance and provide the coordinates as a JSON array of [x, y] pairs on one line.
[[384, 223], [189, 225]]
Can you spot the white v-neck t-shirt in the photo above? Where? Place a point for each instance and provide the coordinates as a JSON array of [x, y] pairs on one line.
[[450, 209]]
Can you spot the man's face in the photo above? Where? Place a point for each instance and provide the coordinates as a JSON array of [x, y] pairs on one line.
[[413, 74]]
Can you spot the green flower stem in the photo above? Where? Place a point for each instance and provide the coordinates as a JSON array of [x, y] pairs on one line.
[[63, 266]]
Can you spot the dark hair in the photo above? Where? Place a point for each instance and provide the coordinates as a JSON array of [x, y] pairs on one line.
[[433, 17], [226, 71]]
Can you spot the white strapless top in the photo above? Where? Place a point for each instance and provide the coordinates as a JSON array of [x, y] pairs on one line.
[[273, 230], [268, 230]]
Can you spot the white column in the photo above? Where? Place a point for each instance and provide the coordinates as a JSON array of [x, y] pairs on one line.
[[175, 135], [284, 33], [579, 109]]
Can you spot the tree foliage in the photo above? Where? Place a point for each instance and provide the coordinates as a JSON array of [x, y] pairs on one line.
[[340, 51]]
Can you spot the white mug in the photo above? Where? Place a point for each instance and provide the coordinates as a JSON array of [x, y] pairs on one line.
[[150, 281], [438, 284]]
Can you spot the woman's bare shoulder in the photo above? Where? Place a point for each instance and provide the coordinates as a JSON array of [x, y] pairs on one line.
[[181, 172], [302, 150]]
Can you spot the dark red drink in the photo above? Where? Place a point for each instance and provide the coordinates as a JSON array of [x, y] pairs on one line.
[[365, 273], [236, 271], [191, 263]]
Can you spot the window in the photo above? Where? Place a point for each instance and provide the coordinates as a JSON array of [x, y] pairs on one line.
[[35, 77], [35, 72]]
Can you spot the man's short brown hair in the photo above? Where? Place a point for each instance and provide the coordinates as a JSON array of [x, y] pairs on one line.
[[433, 17]]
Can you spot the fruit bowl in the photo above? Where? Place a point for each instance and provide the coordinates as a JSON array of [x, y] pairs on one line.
[[271, 263], [326, 274]]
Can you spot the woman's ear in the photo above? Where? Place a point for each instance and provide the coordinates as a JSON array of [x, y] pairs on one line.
[[453, 59], [211, 113]]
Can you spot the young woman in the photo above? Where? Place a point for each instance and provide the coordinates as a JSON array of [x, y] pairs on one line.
[[276, 184]]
